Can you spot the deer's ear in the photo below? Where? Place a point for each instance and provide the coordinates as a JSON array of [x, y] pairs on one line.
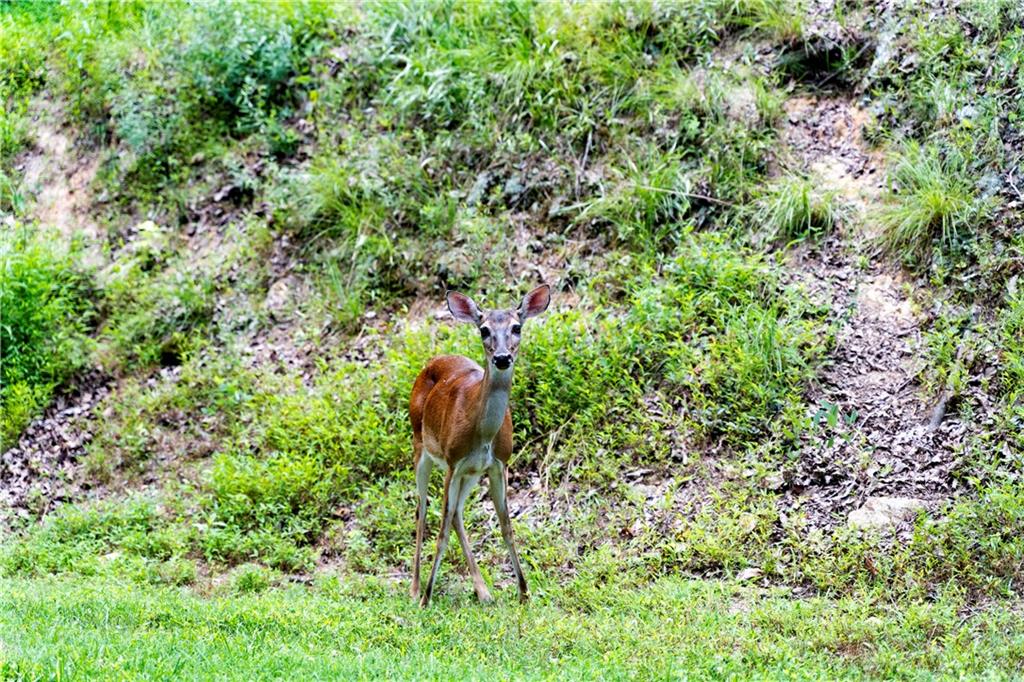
[[535, 302], [463, 308]]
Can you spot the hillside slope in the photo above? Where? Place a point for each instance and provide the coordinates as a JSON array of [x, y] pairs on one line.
[[786, 347]]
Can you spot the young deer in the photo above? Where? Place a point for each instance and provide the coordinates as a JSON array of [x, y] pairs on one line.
[[461, 422]]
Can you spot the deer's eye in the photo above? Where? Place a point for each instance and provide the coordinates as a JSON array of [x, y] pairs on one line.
[[516, 329], [485, 333]]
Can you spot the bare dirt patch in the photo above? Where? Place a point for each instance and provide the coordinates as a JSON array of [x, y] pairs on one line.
[[875, 434], [826, 138], [40, 471], [59, 174]]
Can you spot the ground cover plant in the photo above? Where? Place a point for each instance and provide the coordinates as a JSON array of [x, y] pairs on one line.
[[782, 243]]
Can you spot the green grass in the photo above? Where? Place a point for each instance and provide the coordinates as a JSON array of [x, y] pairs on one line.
[[795, 208], [670, 629], [934, 200]]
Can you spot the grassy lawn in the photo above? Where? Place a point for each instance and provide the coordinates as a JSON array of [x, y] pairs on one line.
[[671, 629]]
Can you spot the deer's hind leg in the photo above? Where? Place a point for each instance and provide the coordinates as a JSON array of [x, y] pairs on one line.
[[424, 465], [451, 492]]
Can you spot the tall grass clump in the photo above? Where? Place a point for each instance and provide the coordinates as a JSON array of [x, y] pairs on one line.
[[933, 200], [647, 197], [795, 208], [778, 19], [46, 312]]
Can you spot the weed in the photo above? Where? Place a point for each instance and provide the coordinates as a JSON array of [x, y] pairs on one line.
[[249, 578]]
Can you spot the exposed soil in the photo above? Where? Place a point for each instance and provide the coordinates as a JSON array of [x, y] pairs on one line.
[[884, 441], [59, 176], [39, 472]]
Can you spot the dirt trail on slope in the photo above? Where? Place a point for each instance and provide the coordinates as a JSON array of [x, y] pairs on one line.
[[883, 443]]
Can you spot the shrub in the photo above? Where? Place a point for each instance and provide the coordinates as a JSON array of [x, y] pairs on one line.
[[251, 578], [724, 331], [73, 538], [155, 298], [45, 314]]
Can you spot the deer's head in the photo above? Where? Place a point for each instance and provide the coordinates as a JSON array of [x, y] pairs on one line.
[[500, 330]]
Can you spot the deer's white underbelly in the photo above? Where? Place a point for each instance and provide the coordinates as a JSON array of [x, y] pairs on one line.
[[473, 464], [438, 462]]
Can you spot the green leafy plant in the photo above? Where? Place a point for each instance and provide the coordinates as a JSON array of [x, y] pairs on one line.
[[46, 311]]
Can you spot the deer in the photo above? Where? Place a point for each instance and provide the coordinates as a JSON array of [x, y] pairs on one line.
[[462, 424]]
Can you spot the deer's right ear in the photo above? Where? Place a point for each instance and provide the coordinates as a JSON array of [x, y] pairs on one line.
[[463, 308]]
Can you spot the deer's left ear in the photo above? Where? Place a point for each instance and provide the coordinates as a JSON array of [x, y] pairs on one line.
[[535, 302]]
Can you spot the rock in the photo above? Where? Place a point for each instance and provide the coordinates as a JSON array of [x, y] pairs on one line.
[[741, 106], [749, 574], [479, 189], [279, 295], [881, 512], [514, 187]]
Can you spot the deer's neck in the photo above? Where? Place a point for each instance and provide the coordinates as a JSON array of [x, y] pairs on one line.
[[494, 392]]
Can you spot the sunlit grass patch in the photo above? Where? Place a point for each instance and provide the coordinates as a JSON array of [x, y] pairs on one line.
[[596, 629]]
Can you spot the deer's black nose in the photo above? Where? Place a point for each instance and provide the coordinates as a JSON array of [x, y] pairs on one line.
[[502, 361]]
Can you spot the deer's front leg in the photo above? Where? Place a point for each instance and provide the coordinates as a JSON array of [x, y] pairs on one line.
[[449, 503], [497, 476], [479, 586]]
